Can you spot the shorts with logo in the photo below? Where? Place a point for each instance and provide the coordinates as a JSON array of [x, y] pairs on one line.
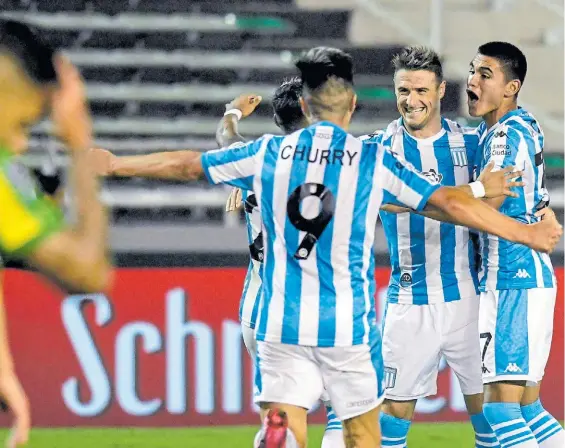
[[516, 327], [297, 375], [415, 337]]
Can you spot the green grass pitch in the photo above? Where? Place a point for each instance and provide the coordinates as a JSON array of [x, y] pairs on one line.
[[436, 435]]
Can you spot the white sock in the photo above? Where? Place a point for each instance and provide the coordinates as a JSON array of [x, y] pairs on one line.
[[333, 438]]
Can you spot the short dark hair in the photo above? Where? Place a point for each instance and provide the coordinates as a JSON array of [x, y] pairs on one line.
[[327, 77], [418, 58], [513, 61], [35, 56], [286, 103], [320, 64]]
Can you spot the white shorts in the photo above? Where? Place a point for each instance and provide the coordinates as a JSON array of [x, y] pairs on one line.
[[516, 326], [296, 375], [416, 336]]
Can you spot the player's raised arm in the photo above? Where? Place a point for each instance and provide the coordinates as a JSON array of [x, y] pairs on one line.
[[174, 165], [76, 257], [227, 132], [413, 189]]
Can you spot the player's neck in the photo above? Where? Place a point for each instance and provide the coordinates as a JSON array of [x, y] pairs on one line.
[[338, 120], [494, 116], [431, 129]]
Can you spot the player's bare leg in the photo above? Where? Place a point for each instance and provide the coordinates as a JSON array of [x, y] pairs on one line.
[[363, 431], [275, 433], [546, 429], [484, 435]]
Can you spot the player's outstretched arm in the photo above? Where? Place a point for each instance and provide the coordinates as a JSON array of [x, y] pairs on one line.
[[76, 256], [470, 212], [172, 165], [227, 132]]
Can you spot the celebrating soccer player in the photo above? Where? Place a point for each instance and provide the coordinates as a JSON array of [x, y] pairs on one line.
[[289, 117], [33, 80], [517, 284], [319, 191], [432, 303]]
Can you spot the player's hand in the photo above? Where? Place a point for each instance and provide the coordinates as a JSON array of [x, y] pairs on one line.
[[546, 233], [69, 109], [500, 183], [101, 160], [246, 103], [15, 398], [234, 202]]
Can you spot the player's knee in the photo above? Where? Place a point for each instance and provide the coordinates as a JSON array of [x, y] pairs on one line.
[[507, 391], [399, 409], [474, 403], [363, 431]]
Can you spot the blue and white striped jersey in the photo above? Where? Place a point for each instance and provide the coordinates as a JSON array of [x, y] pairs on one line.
[[319, 191], [431, 261], [249, 303], [516, 139]]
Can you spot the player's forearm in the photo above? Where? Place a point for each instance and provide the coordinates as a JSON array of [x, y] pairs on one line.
[[467, 211], [436, 214], [174, 165], [91, 229], [227, 132]]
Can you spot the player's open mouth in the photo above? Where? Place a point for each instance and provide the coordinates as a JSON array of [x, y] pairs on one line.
[[472, 97]]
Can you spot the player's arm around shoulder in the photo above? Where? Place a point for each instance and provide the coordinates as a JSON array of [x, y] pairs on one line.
[[473, 213]]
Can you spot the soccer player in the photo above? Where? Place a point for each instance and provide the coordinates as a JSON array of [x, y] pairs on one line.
[[34, 80], [289, 117], [432, 303], [319, 191], [517, 284]]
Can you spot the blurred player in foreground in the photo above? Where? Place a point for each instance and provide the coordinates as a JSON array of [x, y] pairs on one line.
[[33, 81], [319, 191], [432, 302], [289, 117], [517, 284]]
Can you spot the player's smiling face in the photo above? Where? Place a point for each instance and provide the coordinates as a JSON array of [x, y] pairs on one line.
[[486, 85], [418, 96]]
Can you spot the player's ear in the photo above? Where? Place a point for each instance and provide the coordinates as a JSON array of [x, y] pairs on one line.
[[512, 88], [441, 89], [353, 104], [277, 120], [304, 107]]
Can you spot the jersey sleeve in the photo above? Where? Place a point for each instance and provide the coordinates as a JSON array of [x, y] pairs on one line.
[[504, 148], [235, 165], [402, 181], [27, 216]]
